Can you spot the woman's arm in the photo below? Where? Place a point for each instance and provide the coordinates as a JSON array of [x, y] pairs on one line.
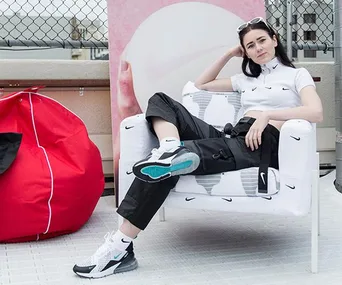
[[311, 110], [207, 80]]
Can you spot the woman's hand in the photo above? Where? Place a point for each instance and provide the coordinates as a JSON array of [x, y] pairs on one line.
[[237, 51], [126, 99], [127, 105], [253, 137]]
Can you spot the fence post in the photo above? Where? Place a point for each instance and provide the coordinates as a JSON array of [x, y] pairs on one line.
[[289, 28]]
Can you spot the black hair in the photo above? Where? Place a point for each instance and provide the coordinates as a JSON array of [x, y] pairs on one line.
[[254, 68]]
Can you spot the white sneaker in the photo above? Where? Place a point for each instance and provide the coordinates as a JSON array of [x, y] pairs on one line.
[[161, 164], [107, 260]]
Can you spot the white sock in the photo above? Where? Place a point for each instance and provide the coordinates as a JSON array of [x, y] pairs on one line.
[[169, 143], [121, 241]]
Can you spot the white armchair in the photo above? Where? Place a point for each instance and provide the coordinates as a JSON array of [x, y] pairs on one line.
[[292, 190]]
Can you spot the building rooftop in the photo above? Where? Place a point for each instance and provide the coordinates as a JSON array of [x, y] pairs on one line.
[[193, 247]]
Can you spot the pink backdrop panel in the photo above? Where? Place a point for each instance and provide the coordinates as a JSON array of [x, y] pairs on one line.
[[159, 46]]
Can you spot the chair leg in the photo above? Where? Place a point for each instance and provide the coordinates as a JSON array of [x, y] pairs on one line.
[[318, 197], [318, 212], [120, 221], [314, 222], [162, 214]]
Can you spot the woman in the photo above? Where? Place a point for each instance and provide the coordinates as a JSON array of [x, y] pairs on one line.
[[272, 91]]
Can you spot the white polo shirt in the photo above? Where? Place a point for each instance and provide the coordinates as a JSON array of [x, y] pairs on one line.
[[277, 87]]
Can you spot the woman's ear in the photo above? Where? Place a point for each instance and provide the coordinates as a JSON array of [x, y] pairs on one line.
[[274, 38]]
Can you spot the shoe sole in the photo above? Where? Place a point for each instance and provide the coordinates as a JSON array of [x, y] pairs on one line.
[[157, 171], [129, 265]]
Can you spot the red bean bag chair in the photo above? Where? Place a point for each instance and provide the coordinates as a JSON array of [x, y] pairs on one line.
[[56, 179]]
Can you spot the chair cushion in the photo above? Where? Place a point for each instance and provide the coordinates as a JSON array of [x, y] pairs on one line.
[[215, 108], [239, 183], [218, 109]]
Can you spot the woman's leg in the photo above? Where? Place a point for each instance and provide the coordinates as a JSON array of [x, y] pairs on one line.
[[189, 127], [129, 229], [143, 200], [171, 122], [167, 118], [138, 207], [164, 129]]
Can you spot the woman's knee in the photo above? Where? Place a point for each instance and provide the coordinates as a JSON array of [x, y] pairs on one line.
[[157, 97]]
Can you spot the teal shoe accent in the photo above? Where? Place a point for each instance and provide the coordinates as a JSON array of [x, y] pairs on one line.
[[117, 256], [157, 171]]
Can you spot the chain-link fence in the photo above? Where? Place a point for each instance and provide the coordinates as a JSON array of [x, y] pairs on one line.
[[308, 25], [53, 23], [305, 25]]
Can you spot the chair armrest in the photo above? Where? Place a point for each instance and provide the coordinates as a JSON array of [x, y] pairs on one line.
[[297, 159], [136, 140], [297, 148]]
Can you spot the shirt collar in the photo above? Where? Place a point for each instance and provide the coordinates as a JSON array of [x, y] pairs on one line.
[[271, 65]]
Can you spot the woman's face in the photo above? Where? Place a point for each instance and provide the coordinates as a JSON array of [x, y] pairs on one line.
[[259, 46]]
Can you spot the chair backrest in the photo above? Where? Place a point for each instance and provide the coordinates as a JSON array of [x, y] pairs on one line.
[[215, 108]]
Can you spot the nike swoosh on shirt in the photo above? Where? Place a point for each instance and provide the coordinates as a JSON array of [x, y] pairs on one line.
[[124, 241], [127, 128]]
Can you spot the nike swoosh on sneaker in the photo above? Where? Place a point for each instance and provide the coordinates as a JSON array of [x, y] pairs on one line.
[[117, 256], [111, 263], [124, 241]]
